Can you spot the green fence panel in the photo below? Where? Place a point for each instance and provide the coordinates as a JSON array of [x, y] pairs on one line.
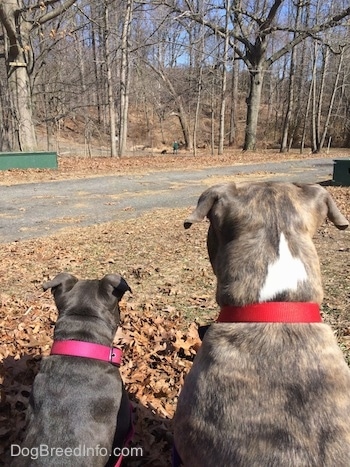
[[341, 172], [28, 160]]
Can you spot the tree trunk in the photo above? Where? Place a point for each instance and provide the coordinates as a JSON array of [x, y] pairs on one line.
[[98, 83], [212, 113], [314, 102], [286, 124], [20, 61], [224, 81], [18, 68], [112, 119], [21, 103], [308, 105], [319, 104], [331, 104], [124, 79], [253, 106], [234, 100], [184, 125], [196, 115], [291, 97], [5, 119]]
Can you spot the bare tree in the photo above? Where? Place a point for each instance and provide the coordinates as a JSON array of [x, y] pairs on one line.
[[322, 133], [255, 25], [19, 20], [166, 53]]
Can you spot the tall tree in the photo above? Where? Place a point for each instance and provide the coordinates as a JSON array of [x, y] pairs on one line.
[[110, 92], [19, 20], [224, 79], [291, 87], [124, 77]]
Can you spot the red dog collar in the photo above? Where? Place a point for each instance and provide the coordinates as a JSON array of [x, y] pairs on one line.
[[271, 312], [73, 348]]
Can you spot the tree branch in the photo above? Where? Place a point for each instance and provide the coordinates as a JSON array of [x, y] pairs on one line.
[[6, 18], [308, 33], [54, 13]]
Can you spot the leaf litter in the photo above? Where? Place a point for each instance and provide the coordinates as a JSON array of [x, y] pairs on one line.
[[173, 290]]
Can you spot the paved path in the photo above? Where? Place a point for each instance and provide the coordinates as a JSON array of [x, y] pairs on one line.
[[38, 209]]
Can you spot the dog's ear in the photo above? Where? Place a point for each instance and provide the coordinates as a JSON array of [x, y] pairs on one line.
[[202, 330], [115, 284], [65, 280], [326, 205], [334, 215], [206, 201]]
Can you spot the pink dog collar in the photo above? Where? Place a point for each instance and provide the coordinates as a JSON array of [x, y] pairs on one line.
[[73, 348], [271, 312]]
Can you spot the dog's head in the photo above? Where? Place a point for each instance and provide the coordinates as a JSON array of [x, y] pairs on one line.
[[259, 239], [87, 301]]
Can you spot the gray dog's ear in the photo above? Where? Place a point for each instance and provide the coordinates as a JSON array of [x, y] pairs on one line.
[[329, 209], [206, 201], [67, 281], [115, 284], [334, 215]]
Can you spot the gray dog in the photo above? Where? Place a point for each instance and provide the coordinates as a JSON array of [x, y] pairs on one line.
[[79, 409], [269, 386]]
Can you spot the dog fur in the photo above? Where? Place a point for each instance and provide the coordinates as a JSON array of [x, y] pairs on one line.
[[79, 402], [265, 394]]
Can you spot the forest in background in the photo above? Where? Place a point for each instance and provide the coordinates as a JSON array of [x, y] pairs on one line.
[[215, 74]]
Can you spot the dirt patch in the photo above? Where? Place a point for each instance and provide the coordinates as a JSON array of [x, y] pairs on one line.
[[173, 286]]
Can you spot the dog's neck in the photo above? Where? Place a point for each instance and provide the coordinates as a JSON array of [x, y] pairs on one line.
[[78, 327], [271, 312], [286, 274]]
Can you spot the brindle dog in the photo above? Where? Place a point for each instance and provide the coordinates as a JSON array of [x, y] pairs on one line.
[[265, 394]]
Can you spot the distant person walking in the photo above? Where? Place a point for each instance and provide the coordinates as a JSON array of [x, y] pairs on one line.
[[175, 147]]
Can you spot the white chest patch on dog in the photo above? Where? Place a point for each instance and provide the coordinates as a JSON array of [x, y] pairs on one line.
[[284, 274]]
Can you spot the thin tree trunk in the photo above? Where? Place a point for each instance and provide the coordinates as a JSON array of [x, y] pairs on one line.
[[290, 105], [289, 110], [212, 114], [196, 115], [112, 119], [331, 103], [234, 100], [309, 99], [314, 102], [5, 119], [224, 82], [124, 79], [316, 148], [98, 84]]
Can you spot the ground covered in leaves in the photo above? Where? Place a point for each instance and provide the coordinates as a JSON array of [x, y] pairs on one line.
[[173, 289]]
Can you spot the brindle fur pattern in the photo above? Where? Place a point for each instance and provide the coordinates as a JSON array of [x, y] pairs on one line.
[[79, 401], [265, 394]]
